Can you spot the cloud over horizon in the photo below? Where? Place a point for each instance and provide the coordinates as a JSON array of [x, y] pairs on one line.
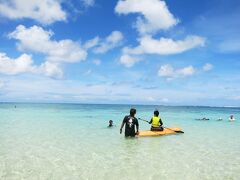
[[170, 73], [154, 14], [43, 11], [64, 50]]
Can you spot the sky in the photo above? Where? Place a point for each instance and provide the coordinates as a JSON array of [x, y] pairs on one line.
[[120, 51]]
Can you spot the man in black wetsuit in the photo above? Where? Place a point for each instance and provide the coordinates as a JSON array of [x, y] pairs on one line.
[[130, 122]]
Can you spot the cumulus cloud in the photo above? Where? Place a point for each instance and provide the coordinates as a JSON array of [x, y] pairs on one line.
[[129, 61], [25, 64], [22, 64], [43, 11], [50, 69], [154, 14], [110, 42], [38, 40], [207, 67], [165, 46], [170, 73], [92, 43]]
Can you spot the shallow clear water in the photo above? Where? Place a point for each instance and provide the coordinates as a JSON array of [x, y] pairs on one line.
[[70, 141]]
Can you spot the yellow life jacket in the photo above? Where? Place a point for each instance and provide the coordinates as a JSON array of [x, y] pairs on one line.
[[155, 121]]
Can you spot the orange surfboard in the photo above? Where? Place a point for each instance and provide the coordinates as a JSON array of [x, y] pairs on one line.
[[166, 131]]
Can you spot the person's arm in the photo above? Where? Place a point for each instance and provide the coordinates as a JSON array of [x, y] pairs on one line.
[[123, 122], [150, 122], [137, 126], [160, 121]]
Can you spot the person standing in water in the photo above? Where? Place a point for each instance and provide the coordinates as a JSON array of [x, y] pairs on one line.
[[156, 122], [130, 121]]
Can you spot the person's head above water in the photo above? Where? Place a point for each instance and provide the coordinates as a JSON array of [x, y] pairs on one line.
[[133, 112], [156, 113], [110, 122]]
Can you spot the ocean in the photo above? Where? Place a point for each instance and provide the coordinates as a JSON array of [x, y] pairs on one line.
[[72, 141]]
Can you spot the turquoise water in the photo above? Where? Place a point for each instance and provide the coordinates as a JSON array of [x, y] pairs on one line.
[[71, 141]]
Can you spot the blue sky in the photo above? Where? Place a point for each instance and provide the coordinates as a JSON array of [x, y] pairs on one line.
[[120, 51]]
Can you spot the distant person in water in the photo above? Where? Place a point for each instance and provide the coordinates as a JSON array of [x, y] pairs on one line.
[[110, 123], [220, 119], [203, 119], [231, 118], [130, 122], [156, 122]]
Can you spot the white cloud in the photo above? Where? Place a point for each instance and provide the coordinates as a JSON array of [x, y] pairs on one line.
[[97, 62], [38, 40], [88, 3], [165, 46], [92, 43], [50, 69], [111, 41], [25, 64], [170, 73], [43, 11], [207, 67], [155, 14], [129, 61], [22, 64]]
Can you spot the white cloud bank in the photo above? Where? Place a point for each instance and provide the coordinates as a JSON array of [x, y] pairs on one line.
[[110, 42], [103, 45], [165, 46], [22, 64], [25, 64], [129, 61], [155, 15], [38, 40], [43, 11], [162, 46], [170, 73]]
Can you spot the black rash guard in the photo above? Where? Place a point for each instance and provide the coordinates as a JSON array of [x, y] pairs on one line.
[[130, 123]]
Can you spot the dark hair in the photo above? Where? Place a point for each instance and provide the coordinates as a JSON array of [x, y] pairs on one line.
[[156, 112], [133, 111], [110, 121]]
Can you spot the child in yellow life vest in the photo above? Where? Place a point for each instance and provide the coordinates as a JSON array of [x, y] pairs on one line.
[[156, 122]]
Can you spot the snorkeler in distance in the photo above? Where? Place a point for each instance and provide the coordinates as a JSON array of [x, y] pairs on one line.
[[231, 118], [219, 119], [203, 119]]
